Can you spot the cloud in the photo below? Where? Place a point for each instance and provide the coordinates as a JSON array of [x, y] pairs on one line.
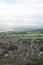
[[22, 12]]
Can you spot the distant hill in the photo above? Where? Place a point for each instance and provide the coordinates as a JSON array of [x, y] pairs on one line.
[[24, 30]]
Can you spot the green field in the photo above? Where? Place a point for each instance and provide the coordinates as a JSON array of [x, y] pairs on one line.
[[27, 35], [30, 37]]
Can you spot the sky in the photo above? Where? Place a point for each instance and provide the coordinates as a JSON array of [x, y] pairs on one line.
[[18, 13]]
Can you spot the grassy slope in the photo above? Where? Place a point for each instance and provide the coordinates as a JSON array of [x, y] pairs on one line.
[[31, 35]]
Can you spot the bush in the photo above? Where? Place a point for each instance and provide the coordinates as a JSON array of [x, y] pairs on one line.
[[41, 49], [12, 47]]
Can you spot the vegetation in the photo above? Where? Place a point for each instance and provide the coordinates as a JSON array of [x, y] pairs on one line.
[[22, 48]]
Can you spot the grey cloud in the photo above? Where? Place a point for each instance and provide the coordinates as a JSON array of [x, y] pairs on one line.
[[25, 12]]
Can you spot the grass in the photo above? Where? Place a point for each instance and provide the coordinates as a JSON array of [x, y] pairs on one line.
[[23, 36]]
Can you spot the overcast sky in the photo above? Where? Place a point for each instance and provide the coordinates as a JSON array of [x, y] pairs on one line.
[[21, 13]]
